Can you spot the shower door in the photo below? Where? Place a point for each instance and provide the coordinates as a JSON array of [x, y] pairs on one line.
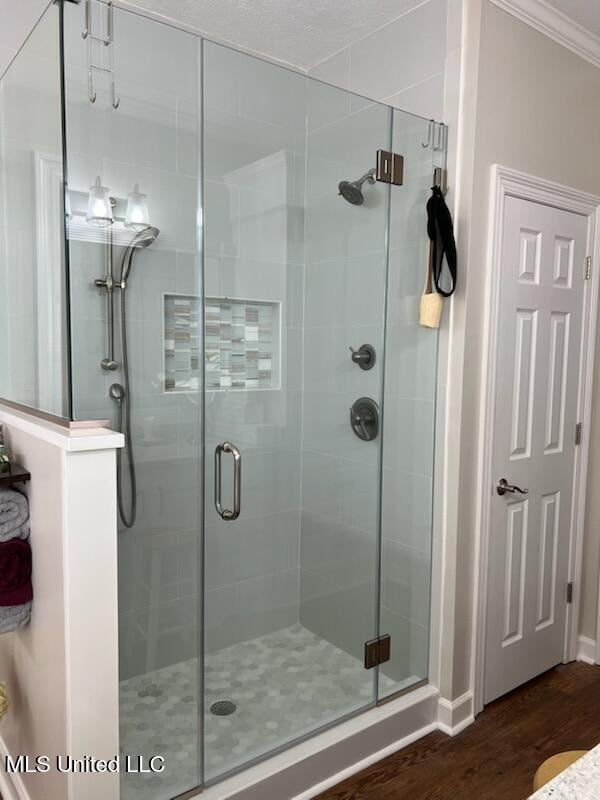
[[263, 322], [294, 281]]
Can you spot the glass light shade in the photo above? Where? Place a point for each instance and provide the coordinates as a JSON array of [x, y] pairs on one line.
[[99, 209], [136, 216]]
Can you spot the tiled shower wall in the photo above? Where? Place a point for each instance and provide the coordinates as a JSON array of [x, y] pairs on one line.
[[254, 198], [344, 307], [31, 334], [408, 63], [152, 139], [253, 225], [254, 159], [412, 64]]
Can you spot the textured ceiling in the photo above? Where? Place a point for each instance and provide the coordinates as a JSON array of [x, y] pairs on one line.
[[585, 12], [298, 32]]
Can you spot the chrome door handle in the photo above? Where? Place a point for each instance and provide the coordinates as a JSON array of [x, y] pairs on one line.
[[503, 486], [224, 513]]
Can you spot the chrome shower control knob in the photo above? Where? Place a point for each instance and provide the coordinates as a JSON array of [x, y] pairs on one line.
[[365, 356]]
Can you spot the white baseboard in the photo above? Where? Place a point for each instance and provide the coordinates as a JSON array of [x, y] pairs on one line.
[[455, 715], [586, 650], [11, 786]]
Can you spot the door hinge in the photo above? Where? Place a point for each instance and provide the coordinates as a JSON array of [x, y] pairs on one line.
[[588, 268], [570, 592], [377, 651], [390, 167], [578, 433]]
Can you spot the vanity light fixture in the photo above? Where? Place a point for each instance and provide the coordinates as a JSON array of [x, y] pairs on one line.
[[99, 208], [136, 216]]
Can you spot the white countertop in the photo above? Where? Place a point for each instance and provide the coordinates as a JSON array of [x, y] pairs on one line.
[[580, 781]]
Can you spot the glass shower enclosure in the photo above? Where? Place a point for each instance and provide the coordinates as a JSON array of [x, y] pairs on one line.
[[245, 251]]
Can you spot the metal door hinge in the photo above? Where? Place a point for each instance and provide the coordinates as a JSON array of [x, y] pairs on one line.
[[570, 592], [390, 167], [588, 268], [578, 433], [377, 651]]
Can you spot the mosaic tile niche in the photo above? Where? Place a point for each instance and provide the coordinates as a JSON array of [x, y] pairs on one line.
[[241, 343]]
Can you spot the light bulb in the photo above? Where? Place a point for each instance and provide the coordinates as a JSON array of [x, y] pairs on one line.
[[99, 208], [136, 216]]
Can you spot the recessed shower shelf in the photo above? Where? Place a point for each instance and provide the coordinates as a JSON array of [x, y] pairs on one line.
[[16, 474]]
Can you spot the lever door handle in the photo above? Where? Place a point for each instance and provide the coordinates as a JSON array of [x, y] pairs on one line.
[[224, 513], [503, 486]]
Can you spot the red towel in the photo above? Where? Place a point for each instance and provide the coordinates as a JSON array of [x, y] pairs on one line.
[[15, 573]]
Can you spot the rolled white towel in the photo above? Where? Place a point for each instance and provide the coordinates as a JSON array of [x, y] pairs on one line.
[[14, 515], [13, 618]]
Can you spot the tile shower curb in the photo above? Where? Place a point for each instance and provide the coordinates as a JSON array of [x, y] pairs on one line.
[[309, 768]]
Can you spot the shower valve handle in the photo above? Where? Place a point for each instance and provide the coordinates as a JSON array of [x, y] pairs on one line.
[[365, 356]]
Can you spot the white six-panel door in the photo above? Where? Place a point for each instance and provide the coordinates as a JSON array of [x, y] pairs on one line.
[[539, 343]]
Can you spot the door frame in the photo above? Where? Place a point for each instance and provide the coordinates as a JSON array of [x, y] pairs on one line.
[[506, 182]]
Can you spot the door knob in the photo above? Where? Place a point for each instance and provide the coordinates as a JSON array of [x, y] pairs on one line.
[[503, 486]]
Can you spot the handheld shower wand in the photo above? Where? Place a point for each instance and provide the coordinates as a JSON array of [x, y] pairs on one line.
[[143, 239], [121, 394]]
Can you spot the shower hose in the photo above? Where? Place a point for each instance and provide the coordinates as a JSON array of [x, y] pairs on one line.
[[124, 426]]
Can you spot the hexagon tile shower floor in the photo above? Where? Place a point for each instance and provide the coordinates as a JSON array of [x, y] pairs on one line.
[[284, 683]]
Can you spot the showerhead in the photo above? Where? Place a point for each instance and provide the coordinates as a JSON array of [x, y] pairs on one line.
[[144, 238], [351, 191]]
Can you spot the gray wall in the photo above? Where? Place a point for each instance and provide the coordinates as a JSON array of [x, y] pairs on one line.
[[344, 307], [386, 66], [535, 107], [306, 545], [253, 237], [254, 153], [152, 139], [31, 246]]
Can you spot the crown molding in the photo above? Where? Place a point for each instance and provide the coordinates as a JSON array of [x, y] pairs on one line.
[[557, 26]]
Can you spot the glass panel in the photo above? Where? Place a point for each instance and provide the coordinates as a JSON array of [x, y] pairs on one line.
[[33, 362], [408, 435], [152, 142], [253, 350], [291, 585]]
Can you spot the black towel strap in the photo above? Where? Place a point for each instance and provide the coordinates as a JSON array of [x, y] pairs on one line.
[[439, 230]]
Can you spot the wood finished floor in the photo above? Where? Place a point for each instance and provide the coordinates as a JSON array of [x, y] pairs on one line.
[[497, 756]]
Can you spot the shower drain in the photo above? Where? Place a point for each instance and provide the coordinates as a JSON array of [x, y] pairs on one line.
[[222, 708]]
